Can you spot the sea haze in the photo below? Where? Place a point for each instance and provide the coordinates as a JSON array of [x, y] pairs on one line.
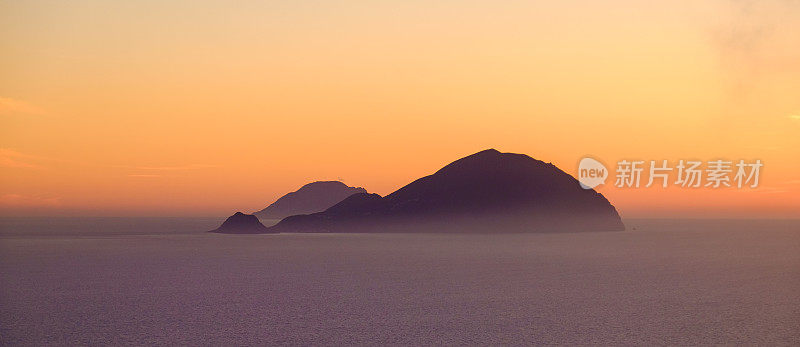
[[166, 281]]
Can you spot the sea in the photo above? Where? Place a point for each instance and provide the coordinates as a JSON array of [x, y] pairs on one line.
[[166, 281]]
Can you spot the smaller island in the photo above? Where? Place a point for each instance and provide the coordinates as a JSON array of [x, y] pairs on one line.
[[240, 223], [311, 198]]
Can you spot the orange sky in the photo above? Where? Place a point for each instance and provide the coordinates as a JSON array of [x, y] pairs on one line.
[[187, 108]]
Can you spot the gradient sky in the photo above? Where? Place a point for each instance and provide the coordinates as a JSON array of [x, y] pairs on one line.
[[188, 108]]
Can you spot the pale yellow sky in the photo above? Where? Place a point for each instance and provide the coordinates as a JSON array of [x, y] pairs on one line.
[[206, 107]]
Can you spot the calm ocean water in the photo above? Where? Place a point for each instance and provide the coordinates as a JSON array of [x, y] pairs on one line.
[[163, 281]]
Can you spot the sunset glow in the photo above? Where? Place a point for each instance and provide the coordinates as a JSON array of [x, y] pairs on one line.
[[198, 108]]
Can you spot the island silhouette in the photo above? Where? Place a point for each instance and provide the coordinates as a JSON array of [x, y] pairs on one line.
[[488, 191], [240, 223], [310, 198]]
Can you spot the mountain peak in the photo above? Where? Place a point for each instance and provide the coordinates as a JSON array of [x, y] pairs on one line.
[[310, 198], [323, 184]]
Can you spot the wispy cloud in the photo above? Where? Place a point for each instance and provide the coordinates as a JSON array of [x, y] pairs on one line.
[[9, 106], [161, 171], [19, 200], [740, 48], [770, 190], [173, 168], [779, 187], [764, 148], [12, 158], [794, 117], [745, 37], [166, 167]]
